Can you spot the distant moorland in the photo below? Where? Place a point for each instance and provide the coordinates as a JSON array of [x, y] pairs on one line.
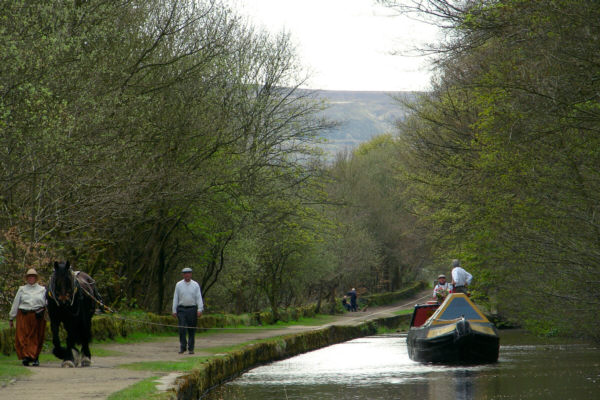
[[361, 115]]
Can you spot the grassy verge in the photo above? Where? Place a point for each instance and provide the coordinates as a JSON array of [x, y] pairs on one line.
[[189, 363], [317, 320], [11, 368], [185, 364], [147, 389], [142, 390]]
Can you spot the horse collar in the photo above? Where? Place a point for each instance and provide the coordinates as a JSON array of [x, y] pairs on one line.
[[52, 288]]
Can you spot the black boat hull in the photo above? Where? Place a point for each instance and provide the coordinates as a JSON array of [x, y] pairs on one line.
[[461, 345]]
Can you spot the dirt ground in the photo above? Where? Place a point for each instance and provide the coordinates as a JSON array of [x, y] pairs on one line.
[[51, 382]]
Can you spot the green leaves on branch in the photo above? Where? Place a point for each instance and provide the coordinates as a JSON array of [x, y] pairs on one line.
[[501, 154]]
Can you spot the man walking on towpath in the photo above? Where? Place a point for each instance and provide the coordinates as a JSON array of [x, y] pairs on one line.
[[187, 308]]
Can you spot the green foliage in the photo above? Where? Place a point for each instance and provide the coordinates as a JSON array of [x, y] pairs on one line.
[[501, 162], [143, 136], [145, 389], [380, 244], [142, 325], [380, 299]]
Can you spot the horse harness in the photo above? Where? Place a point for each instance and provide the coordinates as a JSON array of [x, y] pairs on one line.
[[78, 280]]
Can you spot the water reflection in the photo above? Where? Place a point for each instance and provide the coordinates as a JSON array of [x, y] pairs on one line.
[[378, 367], [463, 384]]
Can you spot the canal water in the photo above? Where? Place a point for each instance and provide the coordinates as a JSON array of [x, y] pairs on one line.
[[378, 368]]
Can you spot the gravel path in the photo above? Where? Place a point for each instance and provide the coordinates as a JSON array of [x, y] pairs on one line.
[[51, 382]]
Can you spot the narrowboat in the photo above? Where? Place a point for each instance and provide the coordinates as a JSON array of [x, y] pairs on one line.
[[455, 331]]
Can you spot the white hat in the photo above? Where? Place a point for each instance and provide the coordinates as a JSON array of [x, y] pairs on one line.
[[186, 269], [31, 271]]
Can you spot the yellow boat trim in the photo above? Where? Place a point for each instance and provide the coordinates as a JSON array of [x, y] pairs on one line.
[[442, 330], [440, 311], [483, 329]]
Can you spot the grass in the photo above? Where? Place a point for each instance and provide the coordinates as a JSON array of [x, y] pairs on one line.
[[319, 319], [403, 312], [185, 364], [142, 390], [11, 368], [189, 363], [383, 330]]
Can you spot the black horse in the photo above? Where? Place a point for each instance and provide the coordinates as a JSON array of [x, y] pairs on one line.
[[72, 300]]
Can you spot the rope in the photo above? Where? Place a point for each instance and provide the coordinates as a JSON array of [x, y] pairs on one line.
[[113, 315], [391, 309], [264, 328]]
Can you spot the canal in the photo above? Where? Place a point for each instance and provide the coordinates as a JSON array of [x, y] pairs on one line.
[[378, 367]]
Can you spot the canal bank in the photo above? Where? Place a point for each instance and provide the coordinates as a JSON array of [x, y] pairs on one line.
[[124, 368], [218, 370]]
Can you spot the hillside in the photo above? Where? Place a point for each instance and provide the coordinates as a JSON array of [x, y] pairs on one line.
[[361, 115]]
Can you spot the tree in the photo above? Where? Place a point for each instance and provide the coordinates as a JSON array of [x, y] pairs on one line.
[[500, 153], [123, 120], [376, 216]]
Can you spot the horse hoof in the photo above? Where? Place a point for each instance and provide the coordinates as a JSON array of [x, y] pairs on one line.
[[86, 362], [68, 364]]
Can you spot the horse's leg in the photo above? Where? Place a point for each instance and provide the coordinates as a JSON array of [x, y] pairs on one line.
[[58, 350], [86, 360], [76, 356], [69, 360]]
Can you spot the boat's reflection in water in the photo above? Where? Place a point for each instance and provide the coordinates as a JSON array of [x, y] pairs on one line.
[[378, 367]]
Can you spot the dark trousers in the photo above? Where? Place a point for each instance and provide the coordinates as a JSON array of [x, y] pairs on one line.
[[460, 289], [187, 318]]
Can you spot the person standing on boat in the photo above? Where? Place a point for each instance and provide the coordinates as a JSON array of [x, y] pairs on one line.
[[441, 289], [461, 279]]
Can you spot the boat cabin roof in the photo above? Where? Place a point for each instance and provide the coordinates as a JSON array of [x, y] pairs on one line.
[[456, 306]]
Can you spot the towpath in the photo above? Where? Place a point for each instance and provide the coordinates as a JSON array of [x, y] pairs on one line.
[[51, 382]]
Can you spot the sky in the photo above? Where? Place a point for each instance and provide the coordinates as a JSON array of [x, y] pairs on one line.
[[348, 44]]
